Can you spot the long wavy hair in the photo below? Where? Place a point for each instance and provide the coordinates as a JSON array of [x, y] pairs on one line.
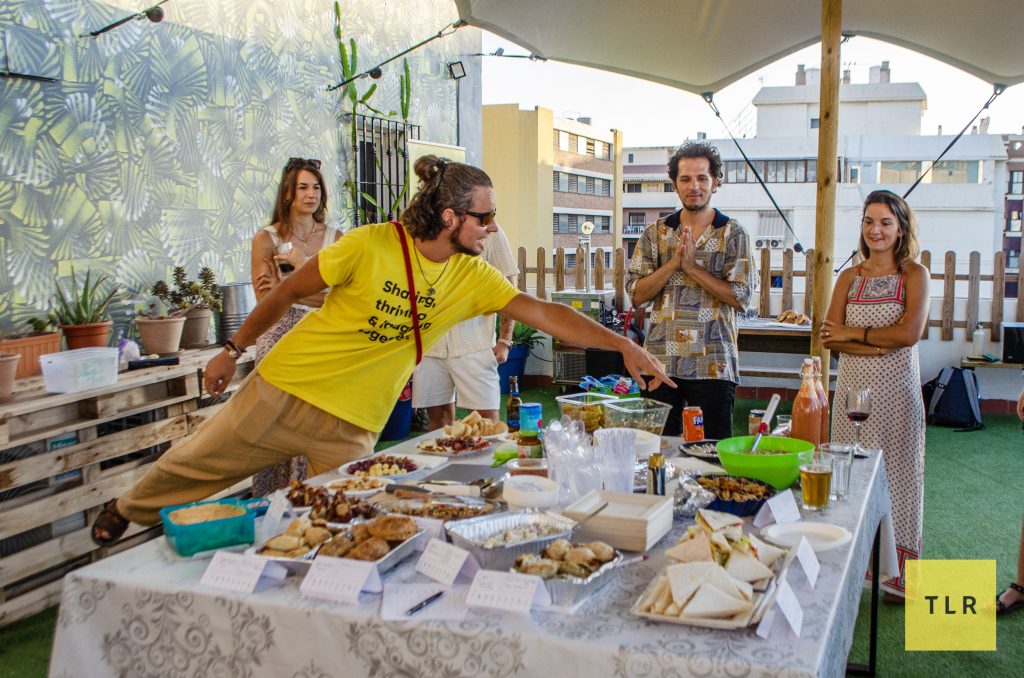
[[907, 244], [444, 184], [286, 194]]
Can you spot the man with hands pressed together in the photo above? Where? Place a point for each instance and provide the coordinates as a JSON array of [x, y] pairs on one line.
[[696, 268]]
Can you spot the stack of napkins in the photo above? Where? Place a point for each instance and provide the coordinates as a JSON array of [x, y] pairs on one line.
[[715, 571]]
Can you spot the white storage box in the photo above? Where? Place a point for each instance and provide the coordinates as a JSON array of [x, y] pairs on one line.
[[80, 369]]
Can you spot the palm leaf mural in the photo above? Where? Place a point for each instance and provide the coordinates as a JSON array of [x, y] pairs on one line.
[[167, 140]]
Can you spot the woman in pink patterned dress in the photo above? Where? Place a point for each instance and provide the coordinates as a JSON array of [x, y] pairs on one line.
[[299, 218], [878, 312]]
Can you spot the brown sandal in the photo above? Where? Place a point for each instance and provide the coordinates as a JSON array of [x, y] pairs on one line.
[[109, 525]]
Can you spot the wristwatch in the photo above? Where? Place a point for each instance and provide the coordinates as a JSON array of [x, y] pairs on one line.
[[507, 342]]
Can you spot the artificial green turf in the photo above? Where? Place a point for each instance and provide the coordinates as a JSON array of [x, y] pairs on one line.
[[974, 502]]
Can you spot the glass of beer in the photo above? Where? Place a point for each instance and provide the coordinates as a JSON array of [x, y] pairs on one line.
[[816, 482]]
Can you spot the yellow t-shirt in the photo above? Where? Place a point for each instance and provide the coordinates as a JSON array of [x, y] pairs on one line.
[[353, 356]]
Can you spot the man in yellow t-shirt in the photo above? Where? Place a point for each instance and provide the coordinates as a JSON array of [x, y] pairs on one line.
[[327, 387]]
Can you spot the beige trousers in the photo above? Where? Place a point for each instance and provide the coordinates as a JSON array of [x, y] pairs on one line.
[[259, 426]]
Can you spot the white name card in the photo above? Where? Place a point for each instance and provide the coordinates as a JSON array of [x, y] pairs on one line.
[[434, 529], [507, 591], [267, 527], [809, 563], [780, 509], [443, 562], [340, 579], [784, 618], [237, 572]]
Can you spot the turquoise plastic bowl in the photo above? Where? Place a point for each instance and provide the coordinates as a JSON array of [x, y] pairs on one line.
[[188, 540], [778, 470]]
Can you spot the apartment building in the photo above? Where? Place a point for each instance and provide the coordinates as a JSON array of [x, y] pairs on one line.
[[551, 175], [962, 204]]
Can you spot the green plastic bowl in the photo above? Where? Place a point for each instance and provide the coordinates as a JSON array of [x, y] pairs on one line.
[[778, 470]]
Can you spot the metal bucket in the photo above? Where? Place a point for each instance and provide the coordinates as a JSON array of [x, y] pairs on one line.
[[238, 300]]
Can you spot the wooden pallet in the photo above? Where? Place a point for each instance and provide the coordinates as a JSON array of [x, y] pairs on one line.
[[43, 489]]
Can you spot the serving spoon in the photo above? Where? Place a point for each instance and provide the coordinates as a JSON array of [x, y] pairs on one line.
[[768, 414]]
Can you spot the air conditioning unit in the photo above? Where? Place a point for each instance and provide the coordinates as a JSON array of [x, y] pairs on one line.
[[770, 243]]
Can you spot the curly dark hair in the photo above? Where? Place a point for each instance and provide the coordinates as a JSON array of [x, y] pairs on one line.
[[443, 184], [696, 149]]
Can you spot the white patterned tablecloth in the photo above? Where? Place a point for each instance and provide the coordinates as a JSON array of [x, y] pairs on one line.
[[144, 613]]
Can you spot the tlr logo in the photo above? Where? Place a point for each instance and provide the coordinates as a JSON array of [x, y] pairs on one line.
[[968, 605], [950, 605]]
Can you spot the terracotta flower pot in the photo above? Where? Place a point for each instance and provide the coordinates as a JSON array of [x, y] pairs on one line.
[[30, 348], [87, 336], [160, 335], [8, 368], [197, 328]]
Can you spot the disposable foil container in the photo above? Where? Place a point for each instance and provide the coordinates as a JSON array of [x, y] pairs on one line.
[[469, 534]]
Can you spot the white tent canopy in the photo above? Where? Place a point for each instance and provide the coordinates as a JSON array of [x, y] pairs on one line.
[[704, 45]]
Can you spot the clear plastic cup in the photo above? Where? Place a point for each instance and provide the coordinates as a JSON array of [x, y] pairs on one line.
[[842, 462]]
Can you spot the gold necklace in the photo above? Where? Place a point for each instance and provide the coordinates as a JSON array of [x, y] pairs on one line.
[[305, 242], [430, 285]]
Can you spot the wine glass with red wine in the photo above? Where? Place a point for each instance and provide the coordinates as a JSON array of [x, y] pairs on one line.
[[858, 409]]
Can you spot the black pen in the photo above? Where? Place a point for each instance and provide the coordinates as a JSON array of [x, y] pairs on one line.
[[419, 606]]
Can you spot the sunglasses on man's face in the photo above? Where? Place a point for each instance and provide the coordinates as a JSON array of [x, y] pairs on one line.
[[302, 162], [486, 218]]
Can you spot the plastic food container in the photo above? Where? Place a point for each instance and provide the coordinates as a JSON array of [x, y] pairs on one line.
[[640, 413], [587, 407], [738, 508], [79, 369], [527, 467], [188, 540], [778, 470], [527, 491]]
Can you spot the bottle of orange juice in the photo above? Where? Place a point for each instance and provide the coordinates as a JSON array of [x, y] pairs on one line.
[[823, 399], [807, 407]]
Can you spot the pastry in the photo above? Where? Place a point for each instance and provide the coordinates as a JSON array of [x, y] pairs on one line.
[[373, 548], [336, 548], [602, 552], [557, 549], [360, 533], [316, 535], [284, 542], [393, 528], [298, 527], [580, 555]]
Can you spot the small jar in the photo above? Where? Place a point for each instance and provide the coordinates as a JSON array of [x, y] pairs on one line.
[[527, 467]]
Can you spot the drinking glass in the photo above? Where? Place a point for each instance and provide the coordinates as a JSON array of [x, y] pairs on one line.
[[816, 482], [858, 408], [842, 462]]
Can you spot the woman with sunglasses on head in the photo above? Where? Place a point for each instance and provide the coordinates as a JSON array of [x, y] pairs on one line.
[[878, 311], [328, 386], [297, 232]]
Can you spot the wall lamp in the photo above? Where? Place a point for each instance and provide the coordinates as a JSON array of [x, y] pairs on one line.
[[457, 70]]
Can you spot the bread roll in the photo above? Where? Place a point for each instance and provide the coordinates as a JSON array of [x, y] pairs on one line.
[[580, 554], [602, 552], [373, 548]]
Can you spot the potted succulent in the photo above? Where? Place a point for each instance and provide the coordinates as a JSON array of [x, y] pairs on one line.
[[524, 340], [43, 338], [199, 297], [82, 312]]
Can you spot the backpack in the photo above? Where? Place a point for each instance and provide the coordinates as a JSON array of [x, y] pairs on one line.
[[953, 399]]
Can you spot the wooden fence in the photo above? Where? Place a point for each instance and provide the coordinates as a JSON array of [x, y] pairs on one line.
[[547, 278]]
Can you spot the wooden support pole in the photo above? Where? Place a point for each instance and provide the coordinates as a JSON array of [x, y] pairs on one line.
[[828, 144]]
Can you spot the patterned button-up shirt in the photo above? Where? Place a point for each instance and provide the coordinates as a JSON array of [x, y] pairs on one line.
[[693, 333]]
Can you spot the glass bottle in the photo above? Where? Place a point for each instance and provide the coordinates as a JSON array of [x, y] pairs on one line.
[[529, 445], [819, 388], [513, 404], [807, 407]]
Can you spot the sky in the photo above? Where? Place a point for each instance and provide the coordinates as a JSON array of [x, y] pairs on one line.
[[650, 114]]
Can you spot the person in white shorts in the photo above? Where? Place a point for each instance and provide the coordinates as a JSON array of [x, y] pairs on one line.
[[463, 366]]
